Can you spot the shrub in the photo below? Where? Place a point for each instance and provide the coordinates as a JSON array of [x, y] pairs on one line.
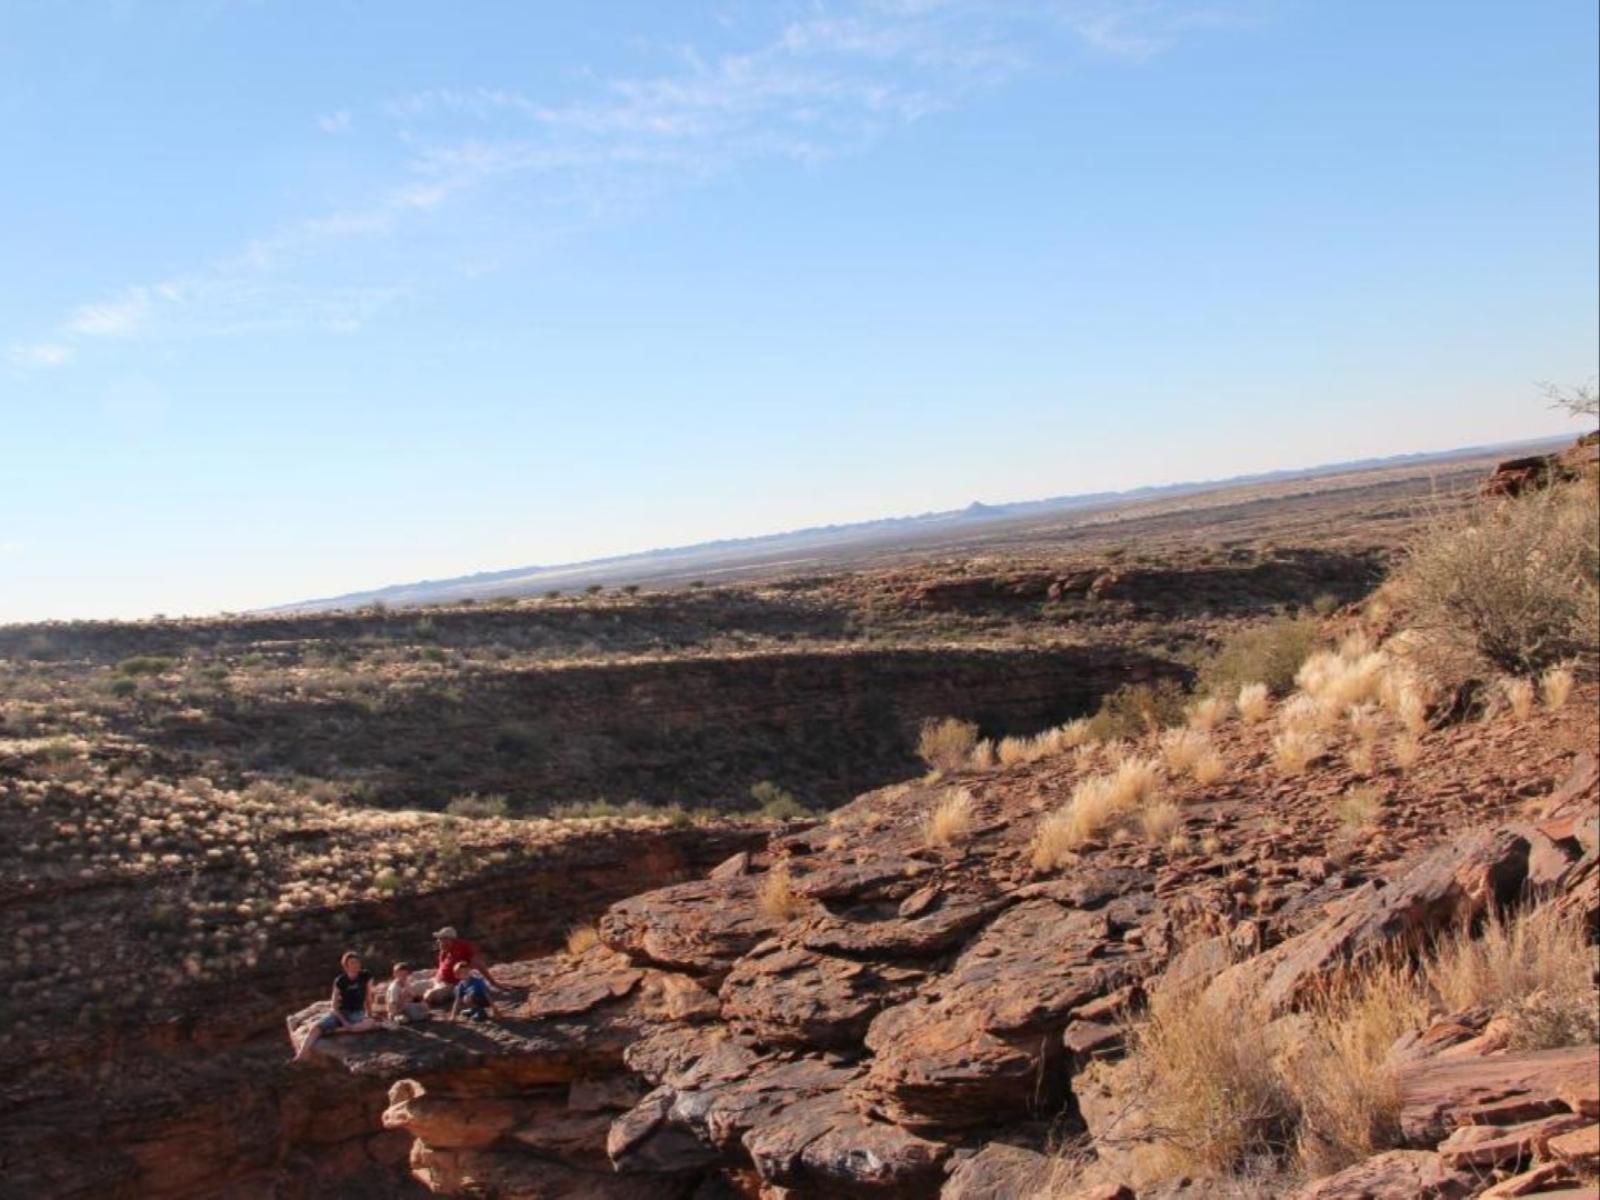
[[777, 804], [123, 686], [1135, 709], [1269, 654], [945, 745], [144, 664], [476, 806], [950, 821], [1513, 584]]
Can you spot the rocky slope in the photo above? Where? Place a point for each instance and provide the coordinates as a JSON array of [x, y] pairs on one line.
[[861, 1011]]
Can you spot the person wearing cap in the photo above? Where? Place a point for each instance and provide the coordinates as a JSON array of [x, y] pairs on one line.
[[454, 950]]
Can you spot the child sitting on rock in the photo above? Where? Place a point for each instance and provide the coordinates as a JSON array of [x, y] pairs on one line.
[[401, 1007], [472, 996], [350, 1002]]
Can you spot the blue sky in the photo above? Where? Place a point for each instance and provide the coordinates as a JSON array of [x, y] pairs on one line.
[[301, 298]]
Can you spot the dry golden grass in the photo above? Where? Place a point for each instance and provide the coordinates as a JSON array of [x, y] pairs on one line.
[[1076, 733], [1536, 966], [1134, 782], [1406, 750], [1206, 714], [1178, 843], [1293, 750], [1358, 808], [1348, 1101], [1519, 695], [777, 899], [1214, 1099], [1210, 768], [1361, 758], [950, 821], [983, 755], [1222, 1093], [1013, 750], [1182, 748], [1054, 839], [1555, 685], [1160, 821], [944, 745], [581, 938], [1255, 702], [1301, 713], [1210, 844], [1366, 722]]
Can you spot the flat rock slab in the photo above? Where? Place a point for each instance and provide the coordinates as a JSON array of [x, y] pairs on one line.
[[1444, 1093], [1498, 1145], [701, 927], [1395, 1175], [787, 994]]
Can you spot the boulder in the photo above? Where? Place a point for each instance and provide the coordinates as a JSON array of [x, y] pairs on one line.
[[997, 1172], [982, 1042], [701, 927]]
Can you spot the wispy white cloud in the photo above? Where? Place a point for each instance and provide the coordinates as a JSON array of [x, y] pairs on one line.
[[829, 84], [39, 354]]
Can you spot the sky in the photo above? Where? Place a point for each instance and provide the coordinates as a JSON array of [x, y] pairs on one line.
[[302, 298]]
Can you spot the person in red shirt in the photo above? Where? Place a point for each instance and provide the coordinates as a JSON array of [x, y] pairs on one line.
[[454, 950]]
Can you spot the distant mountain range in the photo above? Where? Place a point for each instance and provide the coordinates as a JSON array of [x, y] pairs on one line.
[[813, 547]]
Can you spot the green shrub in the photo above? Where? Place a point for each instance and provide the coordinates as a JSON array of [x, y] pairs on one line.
[[122, 686], [476, 806], [1268, 653], [1512, 584], [1135, 709], [144, 664], [777, 804]]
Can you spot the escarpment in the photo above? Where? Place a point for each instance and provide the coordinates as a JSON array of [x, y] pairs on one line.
[[857, 1013]]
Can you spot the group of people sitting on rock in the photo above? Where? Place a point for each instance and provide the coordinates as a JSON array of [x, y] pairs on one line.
[[461, 979]]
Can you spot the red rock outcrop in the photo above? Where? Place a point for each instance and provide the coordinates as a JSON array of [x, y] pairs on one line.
[[908, 1003]]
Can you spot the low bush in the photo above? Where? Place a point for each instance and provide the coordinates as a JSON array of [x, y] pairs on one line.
[[1136, 709], [1513, 585], [1268, 654], [477, 807]]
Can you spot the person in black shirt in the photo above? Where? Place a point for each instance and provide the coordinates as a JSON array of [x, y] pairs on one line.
[[352, 1005]]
